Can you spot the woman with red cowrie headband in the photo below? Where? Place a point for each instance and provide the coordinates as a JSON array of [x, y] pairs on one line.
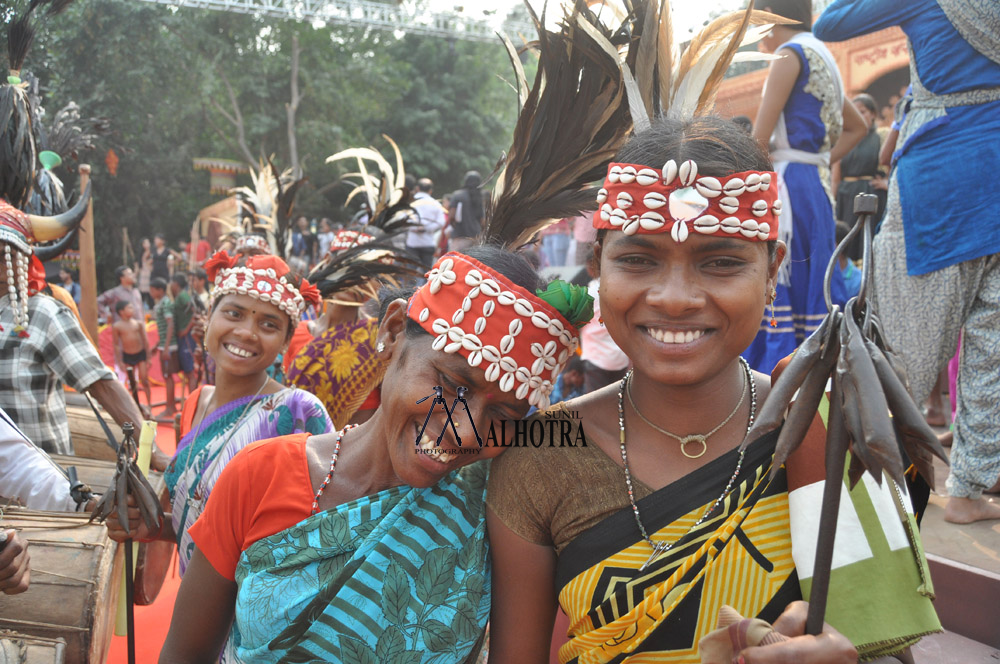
[[662, 519], [257, 301]]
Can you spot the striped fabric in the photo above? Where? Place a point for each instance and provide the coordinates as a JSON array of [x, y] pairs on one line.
[[398, 577]]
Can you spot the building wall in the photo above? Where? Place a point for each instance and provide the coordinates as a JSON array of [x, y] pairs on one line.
[[867, 64]]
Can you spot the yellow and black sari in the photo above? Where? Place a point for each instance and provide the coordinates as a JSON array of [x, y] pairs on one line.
[[740, 556]]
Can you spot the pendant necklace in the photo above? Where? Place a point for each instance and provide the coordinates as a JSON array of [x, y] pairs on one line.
[[660, 548], [697, 437]]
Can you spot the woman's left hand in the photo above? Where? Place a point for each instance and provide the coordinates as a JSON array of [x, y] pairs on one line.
[[830, 647]]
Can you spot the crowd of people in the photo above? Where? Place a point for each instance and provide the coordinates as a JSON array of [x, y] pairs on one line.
[[320, 512]]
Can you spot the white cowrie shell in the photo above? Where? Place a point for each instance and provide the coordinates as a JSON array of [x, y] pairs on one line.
[[458, 316], [475, 358], [708, 187], [647, 176], [550, 347], [522, 375], [776, 207], [731, 225], [624, 200], [456, 334], [765, 181], [424, 315], [734, 187], [606, 212], [488, 307], [759, 208], [728, 204], [654, 200], [507, 382], [492, 372], [651, 221], [506, 344], [439, 342], [508, 364], [669, 171], [602, 195], [440, 326], [631, 225], [466, 303], [522, 391], [688, 172], [474, 293], [515, 327], [491, 353], [563, 356], [473, 277], [764, 229], [749, 228], [614, 173], [618, 217], [540, 320], [538, 366], [490, 287], [679, 231], [706, 224], [523, 307], [479, 326], [506, 298], [568, 339], [555, 327], [753, 182], [628, 175], [472, 343]]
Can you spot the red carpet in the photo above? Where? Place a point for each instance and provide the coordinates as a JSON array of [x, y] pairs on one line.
[[151, 622]]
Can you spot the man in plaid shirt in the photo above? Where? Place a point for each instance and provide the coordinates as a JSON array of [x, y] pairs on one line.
[[33, 370]]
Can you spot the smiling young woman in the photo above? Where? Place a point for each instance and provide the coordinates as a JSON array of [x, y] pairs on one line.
[[258, 301], [662, 518]]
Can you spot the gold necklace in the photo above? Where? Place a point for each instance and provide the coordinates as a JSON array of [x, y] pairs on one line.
[[695, 437]]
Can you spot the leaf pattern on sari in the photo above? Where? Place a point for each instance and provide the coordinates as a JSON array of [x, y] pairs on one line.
[[395, 594], [438, 636], [436, 576], [390, 644], [464, 623], [355, 650]]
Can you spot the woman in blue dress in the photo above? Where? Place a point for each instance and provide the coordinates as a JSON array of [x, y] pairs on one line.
[[808, 124]]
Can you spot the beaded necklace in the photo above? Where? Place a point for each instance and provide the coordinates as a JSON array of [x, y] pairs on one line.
[[333, 467], [660, 548]]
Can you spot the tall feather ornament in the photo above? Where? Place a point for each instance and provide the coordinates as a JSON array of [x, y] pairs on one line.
[[269, 205], [388, 198], [669, 82], [573, 119]]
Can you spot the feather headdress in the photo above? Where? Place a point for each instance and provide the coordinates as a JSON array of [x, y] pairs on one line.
[[370, 254], [663, 80], [268, 205], [385, 193], [572, 120]]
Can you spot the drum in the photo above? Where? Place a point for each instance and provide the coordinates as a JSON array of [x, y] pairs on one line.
[[89, 439], [23, 649], [74, 583], [155, 558]]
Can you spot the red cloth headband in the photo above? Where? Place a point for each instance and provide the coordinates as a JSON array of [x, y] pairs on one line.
[[639, 199], [518, 339], [15, 229], [262, 278]]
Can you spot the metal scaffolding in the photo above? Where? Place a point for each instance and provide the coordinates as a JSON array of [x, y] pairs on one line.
[[362, 13]]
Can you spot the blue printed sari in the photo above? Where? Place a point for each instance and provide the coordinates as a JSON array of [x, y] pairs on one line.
[[401, 576]]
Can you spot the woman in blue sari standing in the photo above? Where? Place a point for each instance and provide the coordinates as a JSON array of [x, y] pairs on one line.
[[808, 124]]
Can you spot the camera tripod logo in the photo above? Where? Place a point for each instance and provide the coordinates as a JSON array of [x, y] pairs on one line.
[[439, 399]]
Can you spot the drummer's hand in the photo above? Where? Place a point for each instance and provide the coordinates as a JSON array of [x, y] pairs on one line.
[[14, 572], [830, 647], [135, 523]]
